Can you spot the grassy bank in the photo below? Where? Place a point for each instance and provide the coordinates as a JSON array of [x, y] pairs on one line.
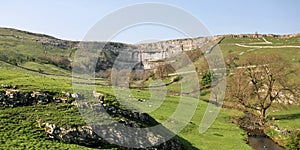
[[287, 119]]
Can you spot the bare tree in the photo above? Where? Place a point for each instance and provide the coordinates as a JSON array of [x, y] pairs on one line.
[[259, 81], [163, 70], [231, 59]]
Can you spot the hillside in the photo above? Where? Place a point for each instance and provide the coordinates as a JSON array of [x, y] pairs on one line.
[[19, 47], [40, 63]]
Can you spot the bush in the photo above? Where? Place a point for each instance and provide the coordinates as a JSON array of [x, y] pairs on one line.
[[293, 141], [40, 70], [206, 79], [177, 78], [203, 93]]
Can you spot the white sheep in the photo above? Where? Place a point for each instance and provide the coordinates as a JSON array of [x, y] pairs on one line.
[[98, 95]]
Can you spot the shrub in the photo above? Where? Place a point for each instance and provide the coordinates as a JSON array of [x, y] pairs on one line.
[[293, 141], [206, 79], [177, 78], [203, 93]]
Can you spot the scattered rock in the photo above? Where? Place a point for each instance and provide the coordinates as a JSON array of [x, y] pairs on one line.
[[252, 124], [285, 131], [141, 100], [6, 86]]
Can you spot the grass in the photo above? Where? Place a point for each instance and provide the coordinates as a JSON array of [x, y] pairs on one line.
[[46, 68], [294, 41], [284, 41], [286, 117], [32, 81], [221, 135], [18, 127], [221, 132]]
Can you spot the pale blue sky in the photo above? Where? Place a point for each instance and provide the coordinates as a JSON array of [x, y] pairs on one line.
[[71, 19]]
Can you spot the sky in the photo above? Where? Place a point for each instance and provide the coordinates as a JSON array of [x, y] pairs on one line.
[[72, 19]]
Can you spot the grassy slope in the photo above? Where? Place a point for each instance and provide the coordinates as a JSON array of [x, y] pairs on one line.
[[287, 116], [46, 68], [284, 117], [18, 127], [28, 80], [14, 46], [291, 55], [223, 134]]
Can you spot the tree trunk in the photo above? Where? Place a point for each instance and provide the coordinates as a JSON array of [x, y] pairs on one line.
[[263, 113]]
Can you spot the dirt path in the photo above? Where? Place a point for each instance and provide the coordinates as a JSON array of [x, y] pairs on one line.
[[286, 46], [249, 50], [267, 42]]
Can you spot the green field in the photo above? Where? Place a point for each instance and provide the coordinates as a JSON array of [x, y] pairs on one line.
[[286, 117], [222, 134]]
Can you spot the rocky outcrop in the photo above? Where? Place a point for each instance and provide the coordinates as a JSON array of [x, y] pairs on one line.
[[15, 98], [85, 136], [90, 135], [126, 56], [79, 135]]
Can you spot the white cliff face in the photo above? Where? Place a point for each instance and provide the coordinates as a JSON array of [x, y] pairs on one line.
[[165, 49], [128, 55]]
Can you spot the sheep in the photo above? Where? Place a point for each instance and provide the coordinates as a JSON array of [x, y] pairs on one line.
[[98, 96]]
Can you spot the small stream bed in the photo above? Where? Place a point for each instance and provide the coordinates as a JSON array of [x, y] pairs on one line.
[[259, 142], [257, 139]]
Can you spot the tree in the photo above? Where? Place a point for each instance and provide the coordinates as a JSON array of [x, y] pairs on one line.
[[260, 81], [256, 34], [206, 79], [163, 70], [231, 59]]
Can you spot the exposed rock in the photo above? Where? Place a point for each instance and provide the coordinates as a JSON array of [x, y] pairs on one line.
[[80, 135], [86, 136], [6, 86], [284, 131], [14, 98]]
